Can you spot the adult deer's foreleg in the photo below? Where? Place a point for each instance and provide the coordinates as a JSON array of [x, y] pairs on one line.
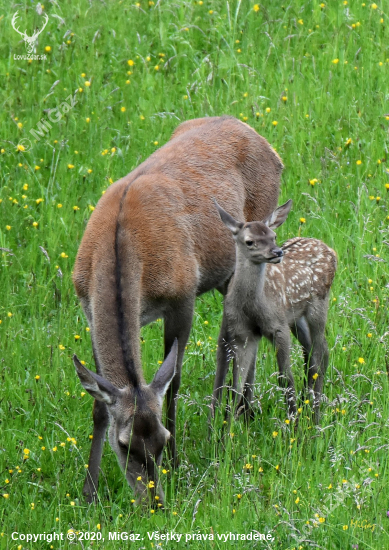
[[100, 425], [178, 322]]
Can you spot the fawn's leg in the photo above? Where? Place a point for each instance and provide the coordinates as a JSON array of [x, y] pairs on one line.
[[248, 390], [301, 331], [223, 357], [318, 362], [281, 341], [244, 371]]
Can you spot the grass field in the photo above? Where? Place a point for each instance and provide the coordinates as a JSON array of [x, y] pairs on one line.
[[313, 80]]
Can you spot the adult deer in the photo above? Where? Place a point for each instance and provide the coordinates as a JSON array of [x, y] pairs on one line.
[[268, 300], [151, 246]]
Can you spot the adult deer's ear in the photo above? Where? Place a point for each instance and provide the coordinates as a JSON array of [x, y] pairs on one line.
[[233, 225], [165, 373], [279, 215], [96, 385]]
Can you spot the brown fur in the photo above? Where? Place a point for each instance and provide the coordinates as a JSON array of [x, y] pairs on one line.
[[149, 248]]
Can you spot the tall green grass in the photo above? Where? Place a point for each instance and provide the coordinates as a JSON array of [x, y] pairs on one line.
[[313, 79]]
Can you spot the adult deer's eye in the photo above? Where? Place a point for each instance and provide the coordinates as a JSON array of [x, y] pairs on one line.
[[249, 243], [123, 447]]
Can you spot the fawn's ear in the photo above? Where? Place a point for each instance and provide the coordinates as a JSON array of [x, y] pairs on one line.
[[279, 215], [228, 220]]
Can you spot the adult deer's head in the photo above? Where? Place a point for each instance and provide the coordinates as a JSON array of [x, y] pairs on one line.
[[136, 433], [29, 40]]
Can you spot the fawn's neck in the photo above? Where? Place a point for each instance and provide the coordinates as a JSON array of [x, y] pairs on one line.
[[249, 278]]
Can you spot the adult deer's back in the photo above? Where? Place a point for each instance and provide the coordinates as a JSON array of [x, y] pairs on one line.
[[147, 252]]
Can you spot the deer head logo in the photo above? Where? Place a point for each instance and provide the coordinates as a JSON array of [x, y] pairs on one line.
[[29, 40]]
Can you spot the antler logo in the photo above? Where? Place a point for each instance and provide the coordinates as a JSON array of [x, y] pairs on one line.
[[29, 40]]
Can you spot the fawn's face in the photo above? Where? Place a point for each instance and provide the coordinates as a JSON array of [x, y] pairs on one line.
[[257, 243], [257, 240]]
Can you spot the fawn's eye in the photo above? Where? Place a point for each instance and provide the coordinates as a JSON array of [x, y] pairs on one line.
[[249, 243]]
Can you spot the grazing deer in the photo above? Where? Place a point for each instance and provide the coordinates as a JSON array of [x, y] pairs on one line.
[[29, 40], [150, 247], [271, 300]]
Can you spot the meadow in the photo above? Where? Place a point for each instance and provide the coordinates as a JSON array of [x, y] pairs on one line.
[[312, 78]]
